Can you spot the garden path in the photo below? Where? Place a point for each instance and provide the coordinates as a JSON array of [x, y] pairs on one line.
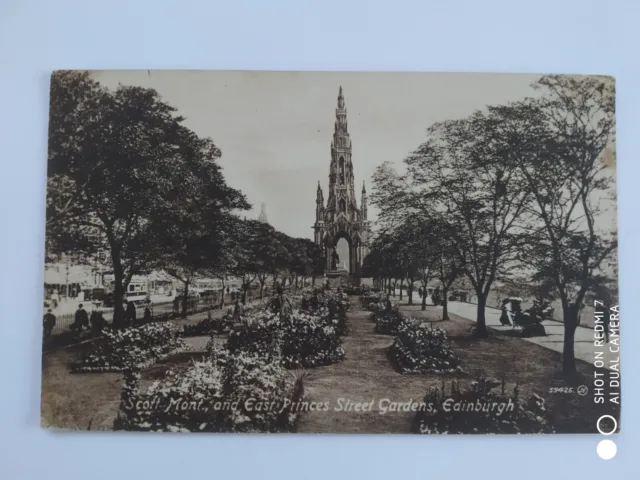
[[366, 377], [586, 348]]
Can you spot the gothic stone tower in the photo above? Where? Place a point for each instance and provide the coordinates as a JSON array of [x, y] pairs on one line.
[[341, 217]]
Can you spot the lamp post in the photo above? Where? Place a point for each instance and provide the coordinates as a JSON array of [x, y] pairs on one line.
[[66, 285]]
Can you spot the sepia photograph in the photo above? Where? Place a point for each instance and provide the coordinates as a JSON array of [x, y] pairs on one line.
[[331, 252]]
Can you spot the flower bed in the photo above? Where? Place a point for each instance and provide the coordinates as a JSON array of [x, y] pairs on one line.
[[229, 393], [419, 348], [479, 410], [373, 298], [299, 339], [270, 390], [387, 320], [309, 341], [329, 305], [257, 333], [134, 347]]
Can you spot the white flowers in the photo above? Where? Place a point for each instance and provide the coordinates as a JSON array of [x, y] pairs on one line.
[[140, 347]]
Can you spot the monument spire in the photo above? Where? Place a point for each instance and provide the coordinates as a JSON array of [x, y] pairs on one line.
[[341, 218], [363, 203]]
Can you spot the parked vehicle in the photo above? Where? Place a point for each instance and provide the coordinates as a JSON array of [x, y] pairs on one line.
[[138, 297]]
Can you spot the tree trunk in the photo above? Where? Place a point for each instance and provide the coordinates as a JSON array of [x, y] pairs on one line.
[[424, 298], [185, 299], [568, 352], [481, 325], [410, 291], [445, 301], [222, 297], [313, 280], [118, 293], [245, 288], [401, 285], [262, 288]]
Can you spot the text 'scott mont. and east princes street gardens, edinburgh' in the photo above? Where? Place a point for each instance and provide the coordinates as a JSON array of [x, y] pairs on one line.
[[334, 252]]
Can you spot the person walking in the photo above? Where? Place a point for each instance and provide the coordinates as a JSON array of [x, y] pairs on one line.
[[48, 321], [131, 314], [97, 322], [176, 304], [81, 319], [55, 299], [147, 317]]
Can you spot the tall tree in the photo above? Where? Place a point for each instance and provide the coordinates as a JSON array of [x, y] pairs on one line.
[[448, 265], [269, 252], [572, 180], [460, 176], [120, 164]]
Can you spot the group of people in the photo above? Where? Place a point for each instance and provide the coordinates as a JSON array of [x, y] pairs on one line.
[[96, 322], [435, 296]]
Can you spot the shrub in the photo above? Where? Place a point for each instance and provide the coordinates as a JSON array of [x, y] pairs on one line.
[[299, 339], [373, 298], [420, 348], [329, 305], [257, 333], [133, 347], [309, 341], [229, 393], [280, 302], [338, 306], [479, 410], [387, 320], [260, 390], [180, 402]]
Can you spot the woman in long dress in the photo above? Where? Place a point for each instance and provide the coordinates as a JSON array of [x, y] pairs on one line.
[[506, 309]]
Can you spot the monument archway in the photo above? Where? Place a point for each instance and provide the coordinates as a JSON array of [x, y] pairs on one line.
[[337, 260], [344, 252]]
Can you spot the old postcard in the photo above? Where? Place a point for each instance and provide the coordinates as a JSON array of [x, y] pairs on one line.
[[340, 252]]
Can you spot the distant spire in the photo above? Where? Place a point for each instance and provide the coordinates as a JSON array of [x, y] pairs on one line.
[[340, 98], [319, 189], [263, 214], [363, 189]]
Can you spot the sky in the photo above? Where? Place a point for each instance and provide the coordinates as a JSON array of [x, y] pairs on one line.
[[275, 128]]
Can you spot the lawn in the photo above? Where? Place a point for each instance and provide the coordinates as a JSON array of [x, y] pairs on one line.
[[366, 375], [83, 400]]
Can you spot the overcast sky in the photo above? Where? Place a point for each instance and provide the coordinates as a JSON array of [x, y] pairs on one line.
[[275, 128]]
